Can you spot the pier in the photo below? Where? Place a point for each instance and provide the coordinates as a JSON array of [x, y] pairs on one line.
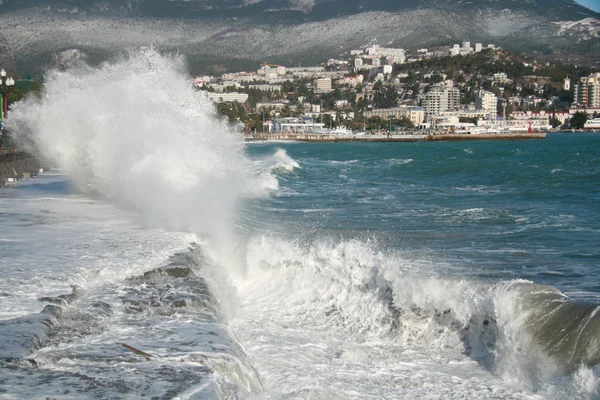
[[296, 137]]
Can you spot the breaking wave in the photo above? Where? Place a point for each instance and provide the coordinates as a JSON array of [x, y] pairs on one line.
[[518, 330]]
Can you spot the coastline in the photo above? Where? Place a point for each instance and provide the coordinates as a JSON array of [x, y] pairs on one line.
[[392, 138]]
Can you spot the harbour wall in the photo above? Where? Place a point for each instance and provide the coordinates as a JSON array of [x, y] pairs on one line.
[[392, 138]]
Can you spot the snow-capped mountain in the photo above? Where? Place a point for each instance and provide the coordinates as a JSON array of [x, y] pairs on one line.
[[290, 30]]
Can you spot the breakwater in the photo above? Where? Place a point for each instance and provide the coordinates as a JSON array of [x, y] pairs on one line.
[[391, 138], [16, 164]]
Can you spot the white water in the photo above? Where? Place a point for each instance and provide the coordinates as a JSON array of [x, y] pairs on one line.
[[137, 132], [318, 318]]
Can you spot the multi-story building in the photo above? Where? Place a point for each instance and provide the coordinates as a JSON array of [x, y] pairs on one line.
[[266, 87], [488, 102], [586, 93], [500, 78], [440, 99], [379, 51], [322, 85], [225, 97], [455, 50], [542, 116], [415, 114]]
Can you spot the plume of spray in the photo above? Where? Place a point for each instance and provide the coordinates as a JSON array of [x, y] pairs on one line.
[[136, 132]]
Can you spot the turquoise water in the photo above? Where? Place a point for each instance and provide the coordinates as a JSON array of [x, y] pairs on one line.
[[492, 209], [357, 271]]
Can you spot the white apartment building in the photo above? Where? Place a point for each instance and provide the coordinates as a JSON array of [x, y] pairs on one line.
[[322, 85], [586, 93], [241, 77], [415, 114], [266, 88], [225, 97], [351, 80], [541, 116], [466, 48], [294, 70], [440, 99], [379, 51], [501, 77], [488, 102], [455, 50], [515, 125]]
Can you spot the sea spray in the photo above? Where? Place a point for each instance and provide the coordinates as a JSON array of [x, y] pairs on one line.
[[396, 300], [135, 131]]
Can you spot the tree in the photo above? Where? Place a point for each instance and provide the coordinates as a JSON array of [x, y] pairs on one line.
[[555, 122], [288, 87], [402, 123], [35, 86], [286, 111], [578, 120], [384, 96]]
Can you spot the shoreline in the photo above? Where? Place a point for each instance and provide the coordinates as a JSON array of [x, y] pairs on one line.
[[392, 138]]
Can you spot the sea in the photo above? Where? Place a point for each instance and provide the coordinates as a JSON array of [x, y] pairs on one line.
[[160, 256]]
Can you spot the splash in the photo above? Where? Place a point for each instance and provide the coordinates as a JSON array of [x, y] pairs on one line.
[[521, 332], [137, 133], [267, 169]]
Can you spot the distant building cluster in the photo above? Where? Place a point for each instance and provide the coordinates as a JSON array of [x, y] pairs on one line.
[[369, 85], [465, 48]]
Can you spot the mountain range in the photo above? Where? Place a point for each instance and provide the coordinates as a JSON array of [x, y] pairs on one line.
[[39, 33]]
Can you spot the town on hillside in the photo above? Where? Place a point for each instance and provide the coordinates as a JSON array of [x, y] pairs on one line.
[[462, 88]]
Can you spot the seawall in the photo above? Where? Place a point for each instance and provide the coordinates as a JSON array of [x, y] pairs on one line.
[[391, 138]]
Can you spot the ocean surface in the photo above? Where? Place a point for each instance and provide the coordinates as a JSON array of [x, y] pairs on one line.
[[289, 270]]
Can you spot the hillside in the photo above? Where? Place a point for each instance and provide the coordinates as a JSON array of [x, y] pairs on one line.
[[289, 31]]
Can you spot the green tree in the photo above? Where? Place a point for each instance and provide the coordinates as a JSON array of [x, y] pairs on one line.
[[288, 87], [35, 86], [286, 111], [402, 123], [555, 122], [578, 120], [384, 96]]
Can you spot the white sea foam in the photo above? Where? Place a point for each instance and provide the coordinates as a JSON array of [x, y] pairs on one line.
[[267, 169], [137, 133], [399, 161], [336, 162], [318, 316]]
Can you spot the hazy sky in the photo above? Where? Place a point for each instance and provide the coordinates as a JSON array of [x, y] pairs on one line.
[[591, 4]]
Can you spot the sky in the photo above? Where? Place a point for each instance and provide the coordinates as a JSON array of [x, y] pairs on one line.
[[591, 4]]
